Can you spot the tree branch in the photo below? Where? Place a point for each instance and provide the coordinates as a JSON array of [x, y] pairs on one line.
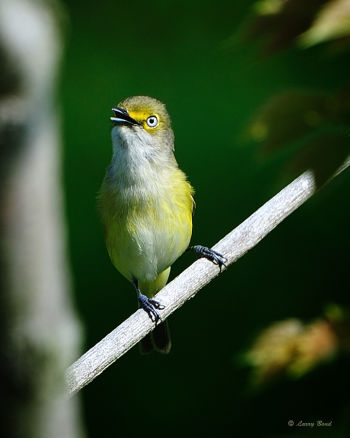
[[234, 245]]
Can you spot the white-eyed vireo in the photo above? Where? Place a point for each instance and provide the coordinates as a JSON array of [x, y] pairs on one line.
[[146, 205]]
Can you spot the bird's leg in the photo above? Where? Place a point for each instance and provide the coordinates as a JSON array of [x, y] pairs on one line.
[[209, 254], [148, 304]]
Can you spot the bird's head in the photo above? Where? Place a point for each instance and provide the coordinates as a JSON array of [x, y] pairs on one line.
[[144, 120]]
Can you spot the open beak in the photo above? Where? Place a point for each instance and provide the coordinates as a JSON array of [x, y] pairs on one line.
[[121, 116]]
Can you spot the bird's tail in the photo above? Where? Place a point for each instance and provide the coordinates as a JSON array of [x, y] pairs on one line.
[[158, 340]]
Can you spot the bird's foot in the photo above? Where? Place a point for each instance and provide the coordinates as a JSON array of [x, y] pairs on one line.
[[209, 254], [150, 306]]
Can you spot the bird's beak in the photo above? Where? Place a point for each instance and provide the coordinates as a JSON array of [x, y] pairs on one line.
[[121, 116]]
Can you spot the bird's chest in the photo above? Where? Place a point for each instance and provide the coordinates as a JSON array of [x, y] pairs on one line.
[[151, 214], [149, 225]]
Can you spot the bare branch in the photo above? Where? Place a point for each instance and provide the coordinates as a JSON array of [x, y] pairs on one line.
[[234, 245]]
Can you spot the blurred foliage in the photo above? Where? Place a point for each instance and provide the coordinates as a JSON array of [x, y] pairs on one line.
[[292, 348], [316, 123], [283, 22], [315, 126], [332, 22]]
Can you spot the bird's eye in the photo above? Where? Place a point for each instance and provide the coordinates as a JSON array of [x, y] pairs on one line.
[[152, 121]]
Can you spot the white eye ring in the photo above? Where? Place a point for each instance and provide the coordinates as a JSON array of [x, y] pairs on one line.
[[152, 121]]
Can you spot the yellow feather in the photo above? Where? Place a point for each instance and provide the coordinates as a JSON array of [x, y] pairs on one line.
[[147, 232]]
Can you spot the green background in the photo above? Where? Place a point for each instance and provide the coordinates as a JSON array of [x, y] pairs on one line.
[[178, 52]]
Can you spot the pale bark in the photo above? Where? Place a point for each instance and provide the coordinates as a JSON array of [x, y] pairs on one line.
[[40, 333]]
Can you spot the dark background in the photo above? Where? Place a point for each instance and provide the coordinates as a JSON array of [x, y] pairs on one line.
[[180, 53]]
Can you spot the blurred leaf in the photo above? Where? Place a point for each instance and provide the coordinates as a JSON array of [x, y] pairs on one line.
[[317, 123], [288, 116], [289, 347], [267, 7], [317, 343], [332, 22], [273, 349], [281, 22], [284, 22], [292, 348]]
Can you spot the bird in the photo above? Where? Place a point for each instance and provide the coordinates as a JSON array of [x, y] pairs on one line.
[[146, 205]]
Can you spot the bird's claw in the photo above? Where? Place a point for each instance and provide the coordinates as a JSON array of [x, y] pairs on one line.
[[150, 306], [211, 255], [156, 304]]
